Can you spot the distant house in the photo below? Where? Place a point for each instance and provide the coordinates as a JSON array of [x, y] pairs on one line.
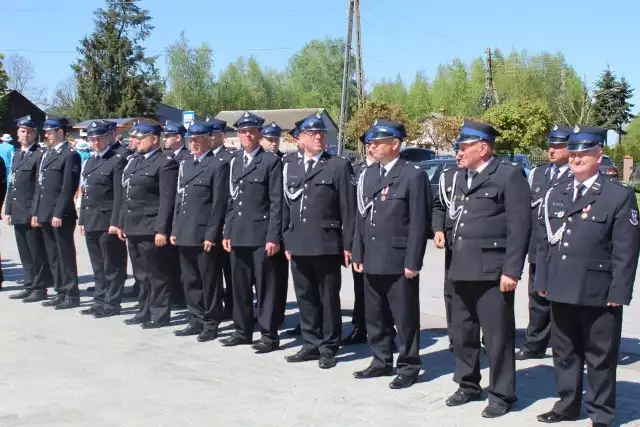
[[17, 106], [286, 119], [166, 112]]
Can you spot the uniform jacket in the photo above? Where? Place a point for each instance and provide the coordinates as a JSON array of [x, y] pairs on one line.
[[491, 234], [320, 207], [183, 154], [254, 210], [595, 261], [201, 201], [121, 149], [24, 170], [539, 182], [150, 190], [440, 221], [392, 234], [58, 180], [102, 191]]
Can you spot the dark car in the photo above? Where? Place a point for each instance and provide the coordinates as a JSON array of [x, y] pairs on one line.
[[521, 160], [433, 169], [416, 154], [608, 168]]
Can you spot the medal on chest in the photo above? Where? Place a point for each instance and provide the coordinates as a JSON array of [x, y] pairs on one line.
[[385, 191], [585, 212]]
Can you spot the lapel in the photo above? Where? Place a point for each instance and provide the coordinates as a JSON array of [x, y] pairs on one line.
[[588, 198], [143, 163], [565, 177], [53, 154], [484, 175], [252, 166], [96, 162], [321, 164], [191, 171], [390, 177], [26, 156]]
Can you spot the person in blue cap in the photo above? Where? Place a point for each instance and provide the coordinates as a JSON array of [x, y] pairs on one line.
[[18, 212], [174, 141], [318, 226], [393, 225], [218, 131], [586, 267], [201, 205], [490, 205], [55, 212], [271, 135], [147, 215], [442, 232], [102, 198], [541, 178], [252, 234]]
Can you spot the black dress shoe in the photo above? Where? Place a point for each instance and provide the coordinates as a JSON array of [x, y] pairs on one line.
[[91, 311], [208, 335], [235, 340], [357, 336], [69, 302], [495, 410], [552, 417], [524, 355], [135, 320], [263, 346], [35, 296], [295, 332], [402, 381], [21, 295], [303, 355], [58, 299], [153, 324], [373, 372], [189, 330], [599, 425], [101, 314], [327, 361], [461, 397]]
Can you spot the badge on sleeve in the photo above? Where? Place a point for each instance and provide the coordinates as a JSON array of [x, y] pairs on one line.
[[634, 217]]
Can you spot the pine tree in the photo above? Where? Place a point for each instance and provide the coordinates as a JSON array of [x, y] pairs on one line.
[[624, 92], [114, 76], [606, 99]]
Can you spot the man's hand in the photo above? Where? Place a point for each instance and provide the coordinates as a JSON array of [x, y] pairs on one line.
[[347, 258], [271, 248], [226, 245], [34, 222], [113, 230], [56, 222], [82, 230], [172, 239], [287, 255], [508, 283], [357, 267], [8, 218], [438, 239], [543, 294], [122, 235], [612, 304], [160, 240], [208, 246], [410, 274]]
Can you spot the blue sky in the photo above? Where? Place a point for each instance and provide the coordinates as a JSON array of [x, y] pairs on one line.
[[399, 36]]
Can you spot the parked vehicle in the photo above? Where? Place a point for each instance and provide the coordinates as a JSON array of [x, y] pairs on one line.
[[608, 168], [433, 169], [521, 160], [416, 154]]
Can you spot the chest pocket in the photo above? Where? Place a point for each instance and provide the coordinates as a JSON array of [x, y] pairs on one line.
[[398, 193], [55, 166], [102, 178], [485, 199], [201, 184], [293, 184], [323, 180]]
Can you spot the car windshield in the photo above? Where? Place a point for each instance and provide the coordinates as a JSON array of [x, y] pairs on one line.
[[606, 161], [430, 169]]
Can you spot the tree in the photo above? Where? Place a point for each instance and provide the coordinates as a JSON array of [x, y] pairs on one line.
[[191, 84], [22, 75], [64, 101], [523, 125], [419, 103], [371, 110], [114, 76], [624, 93], [440, 132], [4, 80], [612, 108]]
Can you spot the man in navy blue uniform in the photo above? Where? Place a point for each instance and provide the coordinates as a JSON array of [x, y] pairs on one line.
[[586, 267], [491, 204], [318, 223], [54, 211], [99, 216], [146, 219], [252, 234], [18, 212], [541, 178], [393, 224], [201, 205]]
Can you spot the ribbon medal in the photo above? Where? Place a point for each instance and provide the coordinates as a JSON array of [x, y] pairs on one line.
[[585, 212], [385, 190]]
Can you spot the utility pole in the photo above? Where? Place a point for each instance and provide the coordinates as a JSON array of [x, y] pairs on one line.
[[490, 91], [359, 68], [344, 102]]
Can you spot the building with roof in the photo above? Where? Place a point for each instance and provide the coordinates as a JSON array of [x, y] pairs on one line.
[[14, 105], [286, 119], [122, 125]]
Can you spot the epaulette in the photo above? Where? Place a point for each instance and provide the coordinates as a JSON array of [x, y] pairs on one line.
[[416, 166], [620, 183], [118, 155]]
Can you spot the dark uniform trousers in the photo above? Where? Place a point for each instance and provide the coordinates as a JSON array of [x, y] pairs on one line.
[[200, 208], [254, 217], [390, 237], [19, 206], [318, 227], [148, 210], [538, 330], [590, 263], [102, 198], [59, 178], [357, 317], [489, 240]]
